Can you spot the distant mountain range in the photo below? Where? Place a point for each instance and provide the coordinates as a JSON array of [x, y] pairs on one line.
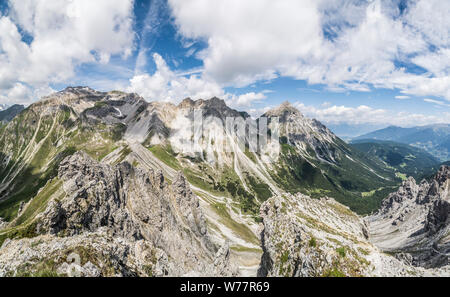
[[348, 131], [435, 139], [407, 160], [3, 106], [9, 113]]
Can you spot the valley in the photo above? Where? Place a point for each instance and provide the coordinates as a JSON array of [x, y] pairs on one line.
[[115, 179], [434, 139], [405, 159]]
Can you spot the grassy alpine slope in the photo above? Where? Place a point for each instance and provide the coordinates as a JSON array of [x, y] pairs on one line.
[[34, 143]]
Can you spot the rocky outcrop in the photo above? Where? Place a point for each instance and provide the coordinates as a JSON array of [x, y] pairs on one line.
[[415, 220], [134, 216], [213, 107], [304, 133], [310, 237], [302, 236], [437, 216]]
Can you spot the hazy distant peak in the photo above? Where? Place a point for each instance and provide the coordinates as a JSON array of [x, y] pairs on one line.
[[9, 113]]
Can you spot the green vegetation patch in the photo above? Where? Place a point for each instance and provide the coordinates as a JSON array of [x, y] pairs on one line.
[[250, 155], [231, 183], [39, 202], [123, 154], [29, 182], [45, 268], [334, 272], [226, 182], [344, 180], [166, 154], [27, 231], [244, 249], [402, 176], [407, 159], [312, 242], [240, 229], [341, 251], [261, 189]]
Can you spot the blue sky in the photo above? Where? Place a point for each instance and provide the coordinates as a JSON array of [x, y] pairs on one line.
[[355, 65]]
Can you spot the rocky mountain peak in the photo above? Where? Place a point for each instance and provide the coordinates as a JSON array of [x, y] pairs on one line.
[[77, 98], [214, 102], [212, 107], [303, 132], [138, 206], [284, 111], [418, 215], [443, 174], [81, 91], [187, 103], [286, 105]]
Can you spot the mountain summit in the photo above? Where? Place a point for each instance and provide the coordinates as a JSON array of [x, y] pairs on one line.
[[99, 172], [284, 110]]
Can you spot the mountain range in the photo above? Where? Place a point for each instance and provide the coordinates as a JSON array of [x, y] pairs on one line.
[[405, 159], [9, 113], [107, 175], [435, 139]]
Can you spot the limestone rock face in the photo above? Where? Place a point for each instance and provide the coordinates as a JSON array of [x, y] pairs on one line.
[[302, 236], [308, 237], [94, 199], [305, 133], [415, 220], [148, 226]]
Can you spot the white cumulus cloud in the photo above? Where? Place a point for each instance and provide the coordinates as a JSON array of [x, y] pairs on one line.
[[61, 36], [167, 85], [345, 44], [246, 100], [368, 115]]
